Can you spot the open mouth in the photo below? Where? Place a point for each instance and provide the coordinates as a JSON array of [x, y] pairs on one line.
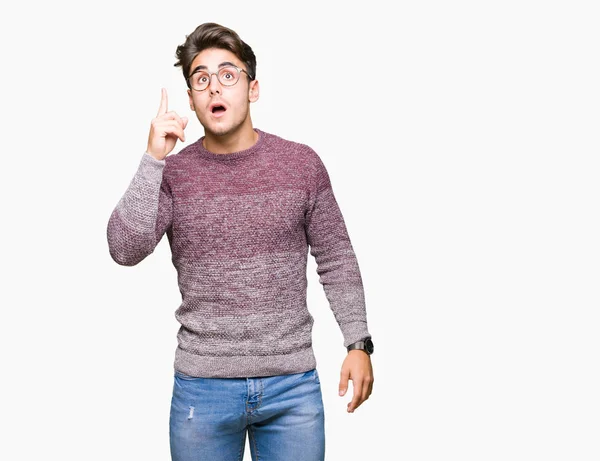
[[218, 110]]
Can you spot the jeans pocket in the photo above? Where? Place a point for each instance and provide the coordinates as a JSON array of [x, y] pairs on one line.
[[180, 375], [316, 376]]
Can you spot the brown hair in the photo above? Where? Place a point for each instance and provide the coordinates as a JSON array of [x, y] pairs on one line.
[[212, 35]]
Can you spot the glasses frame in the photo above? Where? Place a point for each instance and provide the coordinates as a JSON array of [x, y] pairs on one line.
[[210, 74]]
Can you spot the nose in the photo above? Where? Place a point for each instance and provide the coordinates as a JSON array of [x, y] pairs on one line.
[[216, 86]]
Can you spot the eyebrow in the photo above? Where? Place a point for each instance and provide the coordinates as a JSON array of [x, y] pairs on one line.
[[223, 64]]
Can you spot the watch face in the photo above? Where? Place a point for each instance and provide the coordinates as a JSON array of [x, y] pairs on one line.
[[369, 346]]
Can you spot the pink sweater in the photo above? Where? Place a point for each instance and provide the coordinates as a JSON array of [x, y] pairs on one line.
[[239, 226]]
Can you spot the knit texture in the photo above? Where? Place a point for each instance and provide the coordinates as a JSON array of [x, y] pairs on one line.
[[240, 226]]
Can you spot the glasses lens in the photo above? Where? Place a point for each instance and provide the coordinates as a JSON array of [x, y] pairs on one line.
[[200, 80], [228, 76]]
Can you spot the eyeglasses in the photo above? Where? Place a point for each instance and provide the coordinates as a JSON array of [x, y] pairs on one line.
[[227, 76]]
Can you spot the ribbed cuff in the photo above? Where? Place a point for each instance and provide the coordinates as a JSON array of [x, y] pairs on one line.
[[151, 168], [354, 331]]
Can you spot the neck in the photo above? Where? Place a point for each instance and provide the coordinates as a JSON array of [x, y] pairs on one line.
[[241, 139]]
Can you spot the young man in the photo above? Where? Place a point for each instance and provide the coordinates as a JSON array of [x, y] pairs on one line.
[[240, 208]]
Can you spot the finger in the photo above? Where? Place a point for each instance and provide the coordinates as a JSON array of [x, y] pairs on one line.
[[343, 386], [163, 102], [366, 390], [172, 115], [162, 123], [178, 131], [357, 396], [171, 127]]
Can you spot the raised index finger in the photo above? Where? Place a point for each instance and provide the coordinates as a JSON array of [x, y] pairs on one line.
[[163, 103]]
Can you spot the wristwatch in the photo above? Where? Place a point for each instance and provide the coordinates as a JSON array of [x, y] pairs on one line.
[[365, 344]]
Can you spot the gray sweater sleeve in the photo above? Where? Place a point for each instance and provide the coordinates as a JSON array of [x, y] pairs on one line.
[[142, 215], [336, 260]]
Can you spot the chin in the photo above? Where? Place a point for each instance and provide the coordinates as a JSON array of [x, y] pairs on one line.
[[221, 130]]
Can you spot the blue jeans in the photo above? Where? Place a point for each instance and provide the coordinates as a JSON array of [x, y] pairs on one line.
[[282, 414]]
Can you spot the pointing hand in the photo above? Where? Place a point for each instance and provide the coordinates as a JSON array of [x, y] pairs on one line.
[[165, 129]]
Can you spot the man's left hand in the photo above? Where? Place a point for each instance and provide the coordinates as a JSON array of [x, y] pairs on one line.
[[357, 367]]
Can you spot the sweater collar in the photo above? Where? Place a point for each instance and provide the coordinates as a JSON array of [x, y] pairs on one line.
[[204, 153]]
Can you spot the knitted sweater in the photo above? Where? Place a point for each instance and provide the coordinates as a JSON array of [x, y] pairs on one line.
[[239, 226]]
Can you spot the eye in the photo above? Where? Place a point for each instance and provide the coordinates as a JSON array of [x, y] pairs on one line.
[[200, 77], [228, 74]]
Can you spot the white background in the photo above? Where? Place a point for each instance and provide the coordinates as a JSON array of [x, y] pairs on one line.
[[462, 144]]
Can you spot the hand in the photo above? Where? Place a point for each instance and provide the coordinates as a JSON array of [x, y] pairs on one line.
[[165, 129], [357, 367]]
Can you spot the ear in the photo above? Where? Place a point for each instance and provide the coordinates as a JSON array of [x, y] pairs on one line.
[[253, 91], [191, 99]]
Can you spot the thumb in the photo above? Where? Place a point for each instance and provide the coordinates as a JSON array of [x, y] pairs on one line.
[[185, 121], [343, 387]]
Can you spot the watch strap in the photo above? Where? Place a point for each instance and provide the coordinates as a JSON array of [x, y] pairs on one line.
[[360, 345], [357, 345]]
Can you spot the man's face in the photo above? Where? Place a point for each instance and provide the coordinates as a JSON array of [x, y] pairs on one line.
[[234, 99]]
